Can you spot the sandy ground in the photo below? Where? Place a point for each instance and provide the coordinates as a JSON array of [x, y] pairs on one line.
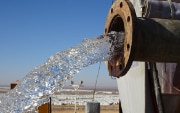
[[81, 109]]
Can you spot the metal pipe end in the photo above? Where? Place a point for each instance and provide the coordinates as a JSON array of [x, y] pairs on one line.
[[121, 18]]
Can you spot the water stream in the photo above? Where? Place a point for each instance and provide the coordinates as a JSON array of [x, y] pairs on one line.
[[40, 83]]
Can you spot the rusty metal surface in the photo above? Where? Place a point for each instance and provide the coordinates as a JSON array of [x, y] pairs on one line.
[[146, 39], [121, 17], [157, 39]]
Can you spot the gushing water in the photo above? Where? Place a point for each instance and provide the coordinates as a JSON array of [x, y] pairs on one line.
[[35, 88]]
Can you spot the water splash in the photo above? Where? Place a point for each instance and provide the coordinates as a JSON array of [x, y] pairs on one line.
[[33, 90]]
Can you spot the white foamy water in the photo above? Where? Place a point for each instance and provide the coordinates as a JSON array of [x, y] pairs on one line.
[[35, 88]]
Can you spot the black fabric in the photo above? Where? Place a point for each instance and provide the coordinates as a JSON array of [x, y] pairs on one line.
[[162, 9]]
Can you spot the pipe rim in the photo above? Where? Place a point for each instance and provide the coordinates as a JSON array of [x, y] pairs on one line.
[[122, 17]]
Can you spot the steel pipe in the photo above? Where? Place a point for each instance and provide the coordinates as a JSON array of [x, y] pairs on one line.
[[158, 40], [146, 39]]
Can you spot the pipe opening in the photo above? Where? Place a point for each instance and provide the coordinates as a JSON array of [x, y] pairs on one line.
[[116, 64], [117, 24], [122, 20]]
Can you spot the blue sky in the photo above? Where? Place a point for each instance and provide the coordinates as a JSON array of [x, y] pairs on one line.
[[33, 30]]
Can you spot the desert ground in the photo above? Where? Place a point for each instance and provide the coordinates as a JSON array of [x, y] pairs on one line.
[[81, 109]]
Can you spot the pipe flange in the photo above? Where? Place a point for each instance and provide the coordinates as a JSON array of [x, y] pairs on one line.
[[121, 18]]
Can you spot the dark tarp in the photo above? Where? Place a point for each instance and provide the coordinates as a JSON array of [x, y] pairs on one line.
[[161, 9]]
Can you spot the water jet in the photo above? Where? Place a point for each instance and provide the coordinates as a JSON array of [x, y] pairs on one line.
[[40, 83]]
